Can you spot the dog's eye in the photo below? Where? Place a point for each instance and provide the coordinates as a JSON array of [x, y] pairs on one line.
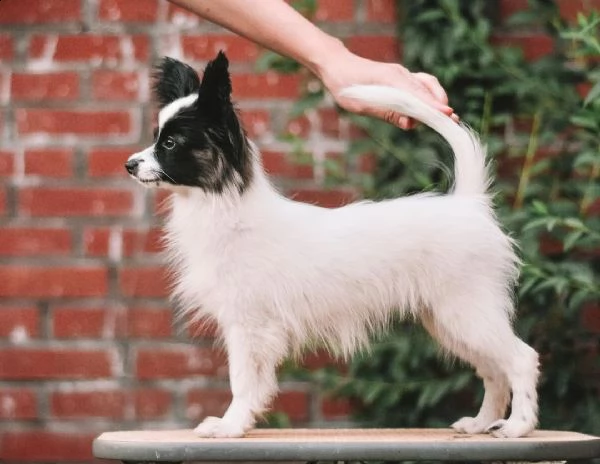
[[169, 144]]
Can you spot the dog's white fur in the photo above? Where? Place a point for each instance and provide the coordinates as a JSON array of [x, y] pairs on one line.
[[277, 275]]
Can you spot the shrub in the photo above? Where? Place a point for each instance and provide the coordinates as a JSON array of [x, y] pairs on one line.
[[543, 138]]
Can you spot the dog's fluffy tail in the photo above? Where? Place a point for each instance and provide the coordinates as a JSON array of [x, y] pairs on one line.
[[470, 170]]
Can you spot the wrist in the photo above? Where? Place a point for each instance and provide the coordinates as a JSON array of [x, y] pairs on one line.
[[323, 56]]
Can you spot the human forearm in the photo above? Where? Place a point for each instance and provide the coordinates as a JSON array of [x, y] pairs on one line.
[[273, 24], [277, 26]]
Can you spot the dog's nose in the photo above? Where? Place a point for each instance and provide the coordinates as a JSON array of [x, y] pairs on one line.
[[131, 165]]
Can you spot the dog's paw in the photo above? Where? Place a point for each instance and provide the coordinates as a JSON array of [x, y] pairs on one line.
[[510, 428], [471, 425], [216, 427]]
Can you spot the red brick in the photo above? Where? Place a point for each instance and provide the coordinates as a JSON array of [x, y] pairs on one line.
[[181, 17], [91, 123], [3, 205], [570, 8], [207, 402], [47, 446], [270, 85], [327, 198], [335, 408], [591, 317], [7, 163], [150, 281], [293, 403], [116, 85], [594, 208], [280, 164], [375, 47], [75, 322], [15, 318], [583, 88], [149, 323], [34, 242], [108, 162], [127, 11], [145, 241], [533, 46], [133, 242], [202, 328], [49, 162], [328, 123], [36, 364], [178, 362], [52, 282], [83, 405], [152, 403], [17, 403], [319, 360], [510, 7], [335, 10], [75, 202], [299, 126], [6, 47], [256, 122], [382, 11], [44, 86], [205, 47], [214, 402], [91, 47], [40, 12], [367, 163], [115, 322]]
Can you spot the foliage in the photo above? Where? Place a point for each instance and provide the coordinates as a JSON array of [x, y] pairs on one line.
[[544, 139]]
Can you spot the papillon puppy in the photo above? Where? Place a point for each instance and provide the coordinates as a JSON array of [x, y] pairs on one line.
[[278, 276]]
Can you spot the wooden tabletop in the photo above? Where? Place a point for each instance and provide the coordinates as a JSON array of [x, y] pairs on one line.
[[343, 444]]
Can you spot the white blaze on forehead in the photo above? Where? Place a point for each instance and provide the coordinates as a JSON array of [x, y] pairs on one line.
[[174, 107]]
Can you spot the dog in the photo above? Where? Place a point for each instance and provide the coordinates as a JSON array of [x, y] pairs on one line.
[[278, 275]]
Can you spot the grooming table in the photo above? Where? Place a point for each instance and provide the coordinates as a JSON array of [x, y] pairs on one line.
[[343, 445]]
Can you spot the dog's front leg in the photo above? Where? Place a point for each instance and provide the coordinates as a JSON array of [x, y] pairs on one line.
[[253, 358]]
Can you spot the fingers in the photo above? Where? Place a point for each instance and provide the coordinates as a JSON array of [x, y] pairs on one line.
[[433, 86], [425, 86]]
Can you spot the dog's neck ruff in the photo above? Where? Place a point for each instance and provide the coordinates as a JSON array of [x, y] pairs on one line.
[[231, 199]]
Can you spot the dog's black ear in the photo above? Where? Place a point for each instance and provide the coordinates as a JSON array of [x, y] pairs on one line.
[[174, 79], [215, 88]]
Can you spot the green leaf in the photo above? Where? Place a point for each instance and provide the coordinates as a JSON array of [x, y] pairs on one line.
[[309, 101], [539, 207], [593, 94], [571, 239]]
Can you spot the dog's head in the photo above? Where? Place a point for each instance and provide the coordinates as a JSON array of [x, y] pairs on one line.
[[199, 141]]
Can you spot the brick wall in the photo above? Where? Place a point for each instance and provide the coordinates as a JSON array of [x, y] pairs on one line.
[[87, 339]]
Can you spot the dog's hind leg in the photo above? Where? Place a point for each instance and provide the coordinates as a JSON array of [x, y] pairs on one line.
[[496, 388], [253, 356], [478, 330]]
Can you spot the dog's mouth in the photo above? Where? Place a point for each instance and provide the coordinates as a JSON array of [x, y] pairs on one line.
[[154, 181]]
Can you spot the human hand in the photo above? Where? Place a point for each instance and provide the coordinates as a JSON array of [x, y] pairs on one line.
[[346, 69]]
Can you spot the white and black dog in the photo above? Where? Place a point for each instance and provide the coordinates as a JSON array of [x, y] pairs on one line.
[[277, 275]]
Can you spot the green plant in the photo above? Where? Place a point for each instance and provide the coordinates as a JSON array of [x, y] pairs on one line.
[[543, 137]]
